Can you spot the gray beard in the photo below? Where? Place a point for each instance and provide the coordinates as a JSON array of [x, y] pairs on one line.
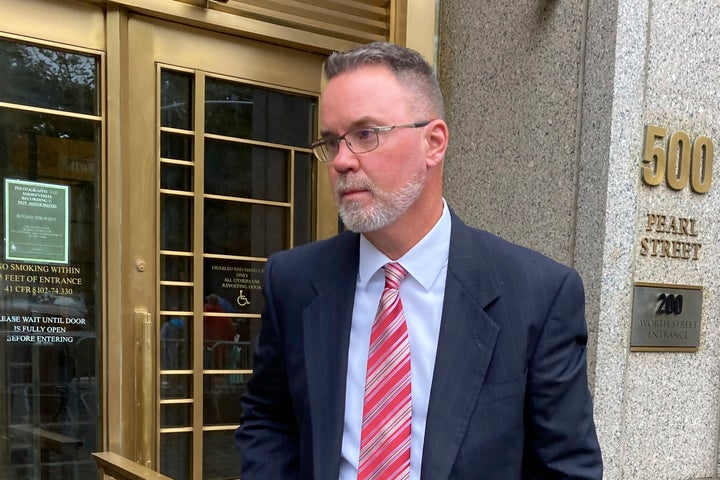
[[386, 208]]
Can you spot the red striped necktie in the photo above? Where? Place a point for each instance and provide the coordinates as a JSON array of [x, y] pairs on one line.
[[385, 435]]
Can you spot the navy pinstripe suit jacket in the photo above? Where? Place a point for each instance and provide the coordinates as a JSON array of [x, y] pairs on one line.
[[509, 397]]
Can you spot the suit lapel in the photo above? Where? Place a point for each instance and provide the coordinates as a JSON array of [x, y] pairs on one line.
[[465, 347], [326, 334]]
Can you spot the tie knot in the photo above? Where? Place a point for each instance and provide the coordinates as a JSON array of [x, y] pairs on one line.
[[394, 274]]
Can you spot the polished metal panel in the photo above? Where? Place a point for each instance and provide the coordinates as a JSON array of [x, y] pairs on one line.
[[666, 317], [360, 21]]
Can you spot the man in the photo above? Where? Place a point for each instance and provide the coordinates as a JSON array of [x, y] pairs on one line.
[[494, 386]]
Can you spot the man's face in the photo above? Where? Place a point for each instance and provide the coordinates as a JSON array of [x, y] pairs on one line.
[[373, 189]]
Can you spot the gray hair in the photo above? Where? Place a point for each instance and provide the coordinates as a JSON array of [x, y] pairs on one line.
[[409, 67]]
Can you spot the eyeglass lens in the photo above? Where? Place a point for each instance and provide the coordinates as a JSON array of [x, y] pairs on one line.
[[358, 141]]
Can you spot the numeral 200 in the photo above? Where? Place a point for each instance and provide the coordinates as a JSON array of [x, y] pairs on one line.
[[678, 162], [669, 304]]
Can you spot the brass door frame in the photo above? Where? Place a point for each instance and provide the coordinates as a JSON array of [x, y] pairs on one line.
[[150, 43]]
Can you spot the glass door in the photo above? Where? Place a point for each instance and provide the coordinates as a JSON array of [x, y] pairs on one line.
[[221, 177], [248, 184], [50, 157]]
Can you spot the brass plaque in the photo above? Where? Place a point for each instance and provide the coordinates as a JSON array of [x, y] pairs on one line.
[[666, 317]]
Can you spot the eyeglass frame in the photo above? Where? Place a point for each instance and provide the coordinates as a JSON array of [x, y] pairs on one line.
[[318, 145]]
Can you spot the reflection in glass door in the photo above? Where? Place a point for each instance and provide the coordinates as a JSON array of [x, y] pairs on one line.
[[50, 130], [236, 184]]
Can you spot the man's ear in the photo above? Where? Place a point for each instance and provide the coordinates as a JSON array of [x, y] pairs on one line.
[[437, 136]]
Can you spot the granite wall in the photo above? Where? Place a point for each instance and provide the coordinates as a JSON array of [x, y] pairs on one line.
[[548, 104]]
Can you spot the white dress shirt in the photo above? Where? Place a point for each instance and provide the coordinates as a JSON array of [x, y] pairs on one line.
[[422, 294]]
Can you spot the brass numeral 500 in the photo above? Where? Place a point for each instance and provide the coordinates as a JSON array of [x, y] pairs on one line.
[[677, 161]]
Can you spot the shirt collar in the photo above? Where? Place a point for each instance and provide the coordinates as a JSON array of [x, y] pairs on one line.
[[424, 261]]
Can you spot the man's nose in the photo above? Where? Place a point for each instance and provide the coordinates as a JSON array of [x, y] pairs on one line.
[[345, 159]]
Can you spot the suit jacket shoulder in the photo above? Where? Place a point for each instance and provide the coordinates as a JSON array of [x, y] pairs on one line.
[[318, 260], [498, 255]]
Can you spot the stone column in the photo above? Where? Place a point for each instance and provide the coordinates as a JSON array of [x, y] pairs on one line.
[[548, 105]]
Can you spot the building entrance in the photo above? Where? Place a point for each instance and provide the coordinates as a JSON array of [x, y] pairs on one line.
[[220, 177], [148, 171]]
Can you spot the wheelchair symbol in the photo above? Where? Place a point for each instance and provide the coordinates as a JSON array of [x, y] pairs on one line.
[[242, 300]]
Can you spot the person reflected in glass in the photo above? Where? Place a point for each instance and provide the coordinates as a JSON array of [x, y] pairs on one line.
[[218, 331], [172, 336]]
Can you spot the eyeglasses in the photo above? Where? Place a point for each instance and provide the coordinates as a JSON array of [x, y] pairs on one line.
[[362, 140]]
